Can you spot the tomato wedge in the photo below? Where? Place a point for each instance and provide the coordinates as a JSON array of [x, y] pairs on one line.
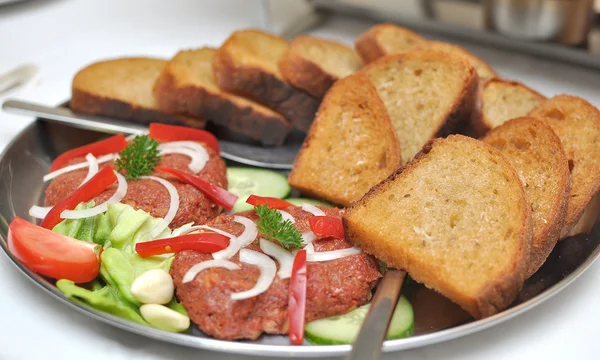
[[203, 242], [217, 194], [271, 202], [326, 226], [297, 299], [52, 254], [96, 185], [113, 144], [166, 133]]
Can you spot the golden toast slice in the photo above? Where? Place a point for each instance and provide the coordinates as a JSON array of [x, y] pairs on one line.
[[426, 93], [187, 85], [502, 100], [246, 64], [456, 218], [122, 88], [313, 64], [386, 39], [350, 147], [577, 124], [537, 155]]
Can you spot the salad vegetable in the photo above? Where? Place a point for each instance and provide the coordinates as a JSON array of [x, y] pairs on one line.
[[167, 133], [205, 242], [297, 299], [326, 226], [244, 182], [113, 144], [270, 202]]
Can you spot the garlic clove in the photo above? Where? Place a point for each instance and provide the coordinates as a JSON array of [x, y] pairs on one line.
[[153, 287]]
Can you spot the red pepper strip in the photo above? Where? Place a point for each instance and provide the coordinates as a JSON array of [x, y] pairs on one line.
[[271, 202], [297, 299], [166, 133], [326, 226], [203, 242], [94, 187], [113, 144], [217, 194]]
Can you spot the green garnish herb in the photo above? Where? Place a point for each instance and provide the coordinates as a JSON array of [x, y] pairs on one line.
[[139, 158], [272, 227]]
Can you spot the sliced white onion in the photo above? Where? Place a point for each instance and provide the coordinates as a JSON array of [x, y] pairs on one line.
[[267, 267], [308, 237], [193, 150], [174, 195], [310, 248], [312, 209], [39, 212], [115, 198], [81, 165], [331, 255], [92, 168], [220, 263], [284, 257], [250, 231], [183, 229], [287, 216]]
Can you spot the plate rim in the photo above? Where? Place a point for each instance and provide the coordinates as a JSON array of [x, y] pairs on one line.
[[248, 348]]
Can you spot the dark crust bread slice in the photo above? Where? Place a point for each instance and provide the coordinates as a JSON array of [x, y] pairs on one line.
[[350, 147], [122, 88], [367, 224], [313, 64], [262, 84], [201, 97], [534, 150], [84, 102], [577, 123]]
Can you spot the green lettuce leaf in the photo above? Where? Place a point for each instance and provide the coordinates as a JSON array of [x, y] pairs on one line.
[[102, 299]]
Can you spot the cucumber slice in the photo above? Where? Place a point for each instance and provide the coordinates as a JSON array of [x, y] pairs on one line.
[[300, 201], [344, 329], [244, 182]]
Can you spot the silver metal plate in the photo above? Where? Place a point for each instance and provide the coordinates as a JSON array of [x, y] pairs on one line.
[[27, 159]]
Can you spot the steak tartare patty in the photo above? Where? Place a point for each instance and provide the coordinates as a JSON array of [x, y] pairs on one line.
[[151, 196], [333, 287]]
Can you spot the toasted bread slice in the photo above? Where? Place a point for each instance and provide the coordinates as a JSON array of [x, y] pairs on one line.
[[484, 70], [427, 94], [246, 64], [186, 85], [577, 124], [122, 88], [456, 218], [502, 100], [350, 147], [537, 155], [385, 39], [313, 64]]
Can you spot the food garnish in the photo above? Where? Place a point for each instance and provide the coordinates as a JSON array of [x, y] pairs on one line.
[[168, 133], [326, 226], [271, 202], [217, 194], [97, 184], [272, 227], [204, 242], [297, 299], [139, 158], [110, 145]]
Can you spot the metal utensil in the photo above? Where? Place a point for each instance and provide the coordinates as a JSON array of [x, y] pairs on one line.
[[372, 333], [17, 77], [282, 158]]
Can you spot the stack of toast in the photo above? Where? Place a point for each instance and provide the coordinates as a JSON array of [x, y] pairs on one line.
[[471, 217]]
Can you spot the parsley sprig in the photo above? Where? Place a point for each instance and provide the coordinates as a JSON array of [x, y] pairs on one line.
[[272, 227], [139, 158]]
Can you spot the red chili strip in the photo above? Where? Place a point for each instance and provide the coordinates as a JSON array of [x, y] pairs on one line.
[[86, 192], [167, 133], [326, 226], [113, 144], [203, 242], [271, 202], [297, 299], [217, 194]]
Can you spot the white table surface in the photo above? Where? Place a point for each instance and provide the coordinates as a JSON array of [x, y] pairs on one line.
[[61, 36]]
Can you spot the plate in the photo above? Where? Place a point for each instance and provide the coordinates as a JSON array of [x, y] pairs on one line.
[[27, 158]]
